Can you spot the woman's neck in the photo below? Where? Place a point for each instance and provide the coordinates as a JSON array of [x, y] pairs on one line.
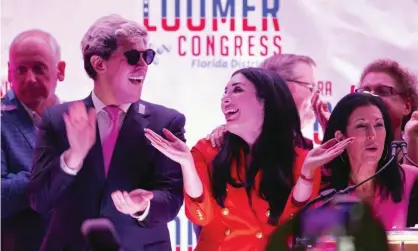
[[360, 172], [250, 137]]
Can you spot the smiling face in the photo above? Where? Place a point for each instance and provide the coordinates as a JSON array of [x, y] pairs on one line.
[[366, 124], [124, 80], [242, 109]]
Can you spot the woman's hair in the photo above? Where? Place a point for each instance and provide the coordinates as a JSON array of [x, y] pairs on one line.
[[390, 181], [273, 153]]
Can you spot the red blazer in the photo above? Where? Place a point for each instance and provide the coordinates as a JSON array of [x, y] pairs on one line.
[[237, 226]]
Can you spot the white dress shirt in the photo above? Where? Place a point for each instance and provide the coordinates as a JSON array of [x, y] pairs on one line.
[[105, 126], [36, 119]]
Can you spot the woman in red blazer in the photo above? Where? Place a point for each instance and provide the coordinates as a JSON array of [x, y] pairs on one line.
[[258, 179]]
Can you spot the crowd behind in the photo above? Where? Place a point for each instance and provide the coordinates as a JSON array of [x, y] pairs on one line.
[[113, 155]]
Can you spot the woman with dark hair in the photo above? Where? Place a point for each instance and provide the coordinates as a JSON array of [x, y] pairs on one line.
[[364, 117], [298, 72], [259, 178]]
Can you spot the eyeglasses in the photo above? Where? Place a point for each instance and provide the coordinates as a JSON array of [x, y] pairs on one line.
[[133, 56], [310, 86], [381, 90]]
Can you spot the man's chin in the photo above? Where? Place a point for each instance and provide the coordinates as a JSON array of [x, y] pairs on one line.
[[33, 103]]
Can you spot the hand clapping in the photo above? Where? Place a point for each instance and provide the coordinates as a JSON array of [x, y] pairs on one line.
[[173, 148], [131, 203], [326, 152], [81, 127]]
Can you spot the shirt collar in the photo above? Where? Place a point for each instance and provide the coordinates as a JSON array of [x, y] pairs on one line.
[[99, 105], [31, 112]]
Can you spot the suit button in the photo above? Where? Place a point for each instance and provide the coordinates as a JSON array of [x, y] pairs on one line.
[[199, 214], [291, 216], [259, 235], [225, 211], [227, 232], [268, 213]]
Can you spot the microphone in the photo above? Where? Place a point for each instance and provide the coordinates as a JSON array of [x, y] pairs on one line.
[[322, 196], [100, 234], [395, 145], [403, 145]]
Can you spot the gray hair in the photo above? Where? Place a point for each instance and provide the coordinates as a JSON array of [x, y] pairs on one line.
[[104, 36], [39, 33], [284, 64]]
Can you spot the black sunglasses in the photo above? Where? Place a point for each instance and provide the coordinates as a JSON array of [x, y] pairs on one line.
[[133, 56], [381, 90]]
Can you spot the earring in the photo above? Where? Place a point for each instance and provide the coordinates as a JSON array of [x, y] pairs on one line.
[[343, 157]]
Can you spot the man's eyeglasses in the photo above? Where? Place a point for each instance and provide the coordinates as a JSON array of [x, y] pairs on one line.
[[133, 56], [310, 86], [381, 90]]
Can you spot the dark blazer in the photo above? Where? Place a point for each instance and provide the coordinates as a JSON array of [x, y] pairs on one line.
[[21, 227], [135, 164]]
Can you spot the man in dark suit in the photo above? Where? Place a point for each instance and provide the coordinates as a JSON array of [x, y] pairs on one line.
[[34, 70], [92, 158]]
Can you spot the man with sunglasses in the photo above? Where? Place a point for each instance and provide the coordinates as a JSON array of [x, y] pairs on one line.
[[92, 159]]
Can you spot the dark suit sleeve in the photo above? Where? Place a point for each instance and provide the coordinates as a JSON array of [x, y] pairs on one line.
[[167, 183], [13, 188], [48, 181]]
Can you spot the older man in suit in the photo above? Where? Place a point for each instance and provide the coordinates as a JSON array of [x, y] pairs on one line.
[[91, 157], [34, 70]]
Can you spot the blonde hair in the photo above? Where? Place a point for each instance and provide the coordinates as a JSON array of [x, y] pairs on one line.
[[42, 34], [284, 64], [104, 37]]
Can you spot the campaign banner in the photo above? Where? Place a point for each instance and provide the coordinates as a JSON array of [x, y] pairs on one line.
[[200, 43]]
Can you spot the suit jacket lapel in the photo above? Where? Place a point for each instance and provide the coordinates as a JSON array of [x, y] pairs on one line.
[[95, 156], [20, 118]]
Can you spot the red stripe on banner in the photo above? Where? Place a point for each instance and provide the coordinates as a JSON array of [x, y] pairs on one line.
[[316, 138]]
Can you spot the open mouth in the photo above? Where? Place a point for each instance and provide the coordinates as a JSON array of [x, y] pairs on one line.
[[371, 149], [230, 114], [136, 80]]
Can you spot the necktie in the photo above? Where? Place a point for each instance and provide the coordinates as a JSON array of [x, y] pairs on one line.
[[110, 140]]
